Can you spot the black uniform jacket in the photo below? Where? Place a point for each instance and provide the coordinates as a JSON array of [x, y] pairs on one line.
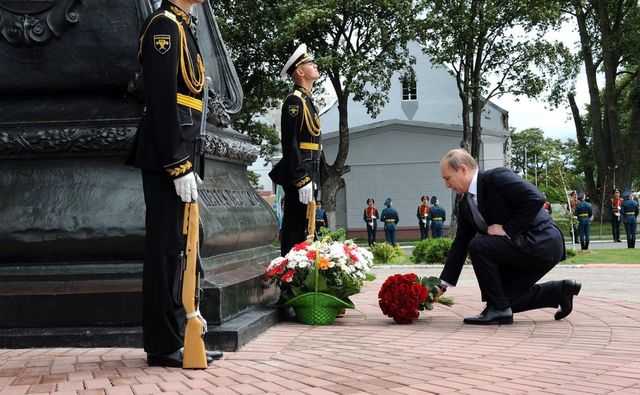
[[302, 159], [505, 198], [171, 120]]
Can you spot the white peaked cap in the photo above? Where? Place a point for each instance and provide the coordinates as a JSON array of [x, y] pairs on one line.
[[299, 56]]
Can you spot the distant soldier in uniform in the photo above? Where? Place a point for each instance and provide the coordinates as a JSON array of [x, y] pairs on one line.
[[615, 204], [163, 148], [629, 213], [321, 217], [390, 218], [370, 217], [437, 217], [571, 207], [299, 169], [547, 204], [584, 213], [423, 217]]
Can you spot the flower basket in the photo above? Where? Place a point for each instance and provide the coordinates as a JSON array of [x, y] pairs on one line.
[[317, 308], [316, 278]]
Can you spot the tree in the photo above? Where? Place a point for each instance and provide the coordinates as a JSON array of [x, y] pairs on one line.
[[494, 48], [249, 29], [358, 45], [541, 160], [609, 32]]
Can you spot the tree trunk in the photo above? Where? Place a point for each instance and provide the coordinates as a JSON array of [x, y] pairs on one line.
[[476, 128], [628, 168], [334, 182], [594, 99], [583, 148]]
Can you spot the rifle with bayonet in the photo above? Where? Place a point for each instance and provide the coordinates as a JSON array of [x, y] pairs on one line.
[[195, 355]]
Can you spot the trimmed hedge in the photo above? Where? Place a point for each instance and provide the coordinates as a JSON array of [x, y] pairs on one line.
[[432, 250]]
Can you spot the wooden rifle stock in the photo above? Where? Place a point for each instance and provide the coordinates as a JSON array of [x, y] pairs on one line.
[[311, 218], [194, 356]]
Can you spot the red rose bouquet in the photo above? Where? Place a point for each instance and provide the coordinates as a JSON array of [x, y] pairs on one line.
[[403, 296]]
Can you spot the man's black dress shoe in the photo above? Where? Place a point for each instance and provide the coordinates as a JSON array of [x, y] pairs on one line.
[[214, 354], [570, 288], [491, 315], [171, 360], [211, 355]]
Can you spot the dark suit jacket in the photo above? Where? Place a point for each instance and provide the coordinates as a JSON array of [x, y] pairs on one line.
[[507, 199]]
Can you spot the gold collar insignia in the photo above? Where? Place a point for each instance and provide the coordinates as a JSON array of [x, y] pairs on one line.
[[183, 15]]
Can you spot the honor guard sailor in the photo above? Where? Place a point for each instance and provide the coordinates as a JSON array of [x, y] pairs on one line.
[[299, 170], [163, 148]]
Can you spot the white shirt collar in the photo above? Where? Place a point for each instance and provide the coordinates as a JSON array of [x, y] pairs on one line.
[[473, 187]]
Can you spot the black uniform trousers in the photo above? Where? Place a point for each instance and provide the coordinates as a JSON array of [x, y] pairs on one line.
[[294, 221], [615, 227], [163, 318], [371, 233], [507, 276], [424, 229]]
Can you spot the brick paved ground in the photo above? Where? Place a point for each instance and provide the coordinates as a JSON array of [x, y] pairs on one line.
[[595, 351]]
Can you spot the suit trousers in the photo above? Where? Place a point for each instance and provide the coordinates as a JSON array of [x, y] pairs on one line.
[[163, 317], [294, 221], [507, 276]]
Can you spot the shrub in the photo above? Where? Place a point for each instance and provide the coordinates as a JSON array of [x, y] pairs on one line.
[[432, 250], [571, 252], [339, 234], [386, 253]]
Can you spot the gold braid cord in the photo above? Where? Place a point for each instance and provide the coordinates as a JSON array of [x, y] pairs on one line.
[[313, 125], [194, 83]]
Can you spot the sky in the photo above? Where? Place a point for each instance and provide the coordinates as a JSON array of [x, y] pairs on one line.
[[556, 123]]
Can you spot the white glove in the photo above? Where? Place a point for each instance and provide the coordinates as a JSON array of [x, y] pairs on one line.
[[305, 194], [187, 187]]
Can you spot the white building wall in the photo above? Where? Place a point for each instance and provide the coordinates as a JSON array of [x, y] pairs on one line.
[[397, 161], [438, 101]]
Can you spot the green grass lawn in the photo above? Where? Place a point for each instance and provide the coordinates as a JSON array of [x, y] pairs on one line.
[[598, 232], [622, 255]]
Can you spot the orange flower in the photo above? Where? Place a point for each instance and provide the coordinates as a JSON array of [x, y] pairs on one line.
[[323, 263]]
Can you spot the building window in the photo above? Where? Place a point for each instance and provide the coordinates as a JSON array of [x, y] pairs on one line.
[[505, 121], [409, 90]]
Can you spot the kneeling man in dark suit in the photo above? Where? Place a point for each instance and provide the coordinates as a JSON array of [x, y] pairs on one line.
[[511, 239]]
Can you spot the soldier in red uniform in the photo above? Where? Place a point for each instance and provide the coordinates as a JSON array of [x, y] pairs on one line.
[[423, 217], [615, 204], [370, 217], [547, 205]]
